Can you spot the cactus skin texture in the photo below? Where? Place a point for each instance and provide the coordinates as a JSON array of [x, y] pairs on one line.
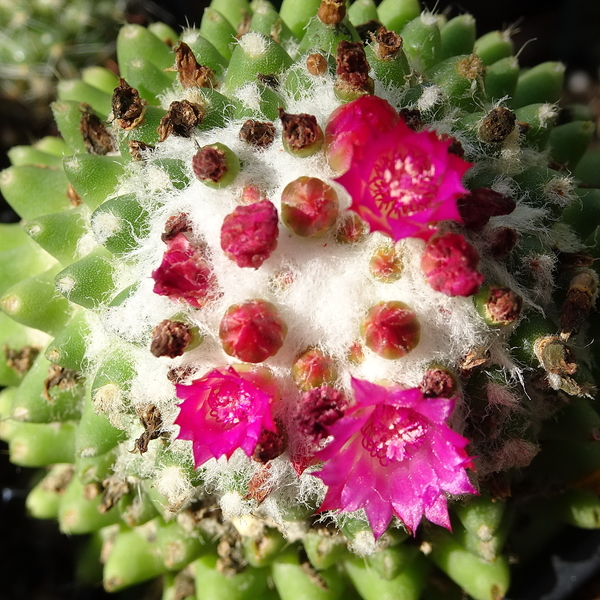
[[239, 256]]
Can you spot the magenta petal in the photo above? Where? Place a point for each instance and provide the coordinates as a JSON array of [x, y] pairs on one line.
[[393, 454]]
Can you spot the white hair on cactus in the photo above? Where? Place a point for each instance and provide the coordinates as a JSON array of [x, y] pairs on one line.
[[254, 44]]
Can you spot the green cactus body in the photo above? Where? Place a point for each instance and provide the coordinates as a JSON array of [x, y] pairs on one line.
[[228, 247]]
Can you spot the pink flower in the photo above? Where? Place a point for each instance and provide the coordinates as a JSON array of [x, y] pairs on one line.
[[393, 454], [184, 273], [450, 265], [225, 410], [352, 125], [403, 182]]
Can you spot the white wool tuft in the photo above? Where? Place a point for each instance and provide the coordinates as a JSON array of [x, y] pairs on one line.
[[254, 44]]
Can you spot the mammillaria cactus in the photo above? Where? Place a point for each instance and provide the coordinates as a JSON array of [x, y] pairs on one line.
[[301, 307]]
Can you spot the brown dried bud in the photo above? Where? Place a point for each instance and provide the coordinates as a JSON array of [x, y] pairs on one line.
[[555, 356], [181, 119], [470, 67], [412, 118], [352, 69], [113, 489], [332, 12], [72, 195], [137, 149], [567, 261], [210, 164], [498, 305], [170, 338], [61, 377], [189, 72], [579, 303], [127, 107], [270, 80], [387, 43], [316, 64], [478, 207], [257, 133], [455, 146], [96, 136], [152, 422], [497, 125], [174, 225], [301, 133], [21, 360], [438, 382], [270, 445]]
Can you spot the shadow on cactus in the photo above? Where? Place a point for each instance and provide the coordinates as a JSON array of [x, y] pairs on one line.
[[301, 307]]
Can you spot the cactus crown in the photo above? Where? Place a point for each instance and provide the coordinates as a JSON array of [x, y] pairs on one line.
[[311, 279]]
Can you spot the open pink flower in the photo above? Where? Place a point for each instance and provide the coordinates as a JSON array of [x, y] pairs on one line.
[[403, 182], [393, 454], [184, 273], [225, 410]]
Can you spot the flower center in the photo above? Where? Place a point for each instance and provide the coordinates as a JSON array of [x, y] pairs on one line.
[[230, 404], [403, 183], [392, 434]]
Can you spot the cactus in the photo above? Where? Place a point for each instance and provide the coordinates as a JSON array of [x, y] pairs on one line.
[[296, 315]]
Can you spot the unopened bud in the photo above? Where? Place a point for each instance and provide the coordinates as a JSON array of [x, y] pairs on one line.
[[499, 306], [391, 329], [386, 264], [313, 369], [252, 331]]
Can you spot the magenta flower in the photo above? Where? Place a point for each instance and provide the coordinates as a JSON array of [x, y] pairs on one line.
[[184, 273], [403, 182], [225, 410], [351, 127], [393, 454]]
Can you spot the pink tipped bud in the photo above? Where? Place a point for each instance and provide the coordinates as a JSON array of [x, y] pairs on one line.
[[351, 230], [391, 329], [184, 273], [439, 382], [252, 331], [313, 369], [249, 234], [309, 207], [450, 265]]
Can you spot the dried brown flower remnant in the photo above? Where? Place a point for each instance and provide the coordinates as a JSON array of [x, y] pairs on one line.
[[127, 107], [316, 64], [497, 125], [20, 360], [301, 132], [331, 12], [579, 303], [189, 71], [270, 445], [438, 382], [412, 118], [260, 485], [231, 559], [480, 205], [210, 164], [270, 80], [455, 147], [113, 489], [257, 133], [387, 43], [138, 149], [61, 377], [180, 120], [96, 136], [352, 69], [176, 224], [170, 338], [73, 197], [501, 240], [151, 420]]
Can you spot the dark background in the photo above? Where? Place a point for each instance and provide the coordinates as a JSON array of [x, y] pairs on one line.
[[36, 561]]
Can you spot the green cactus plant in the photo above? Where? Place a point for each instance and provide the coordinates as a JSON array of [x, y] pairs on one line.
[[285, 307]]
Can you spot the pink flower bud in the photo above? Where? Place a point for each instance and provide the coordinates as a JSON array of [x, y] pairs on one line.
[[309, 207], [252, 331], [249, 234], [184, 273], [450, 265], [391, 329]]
